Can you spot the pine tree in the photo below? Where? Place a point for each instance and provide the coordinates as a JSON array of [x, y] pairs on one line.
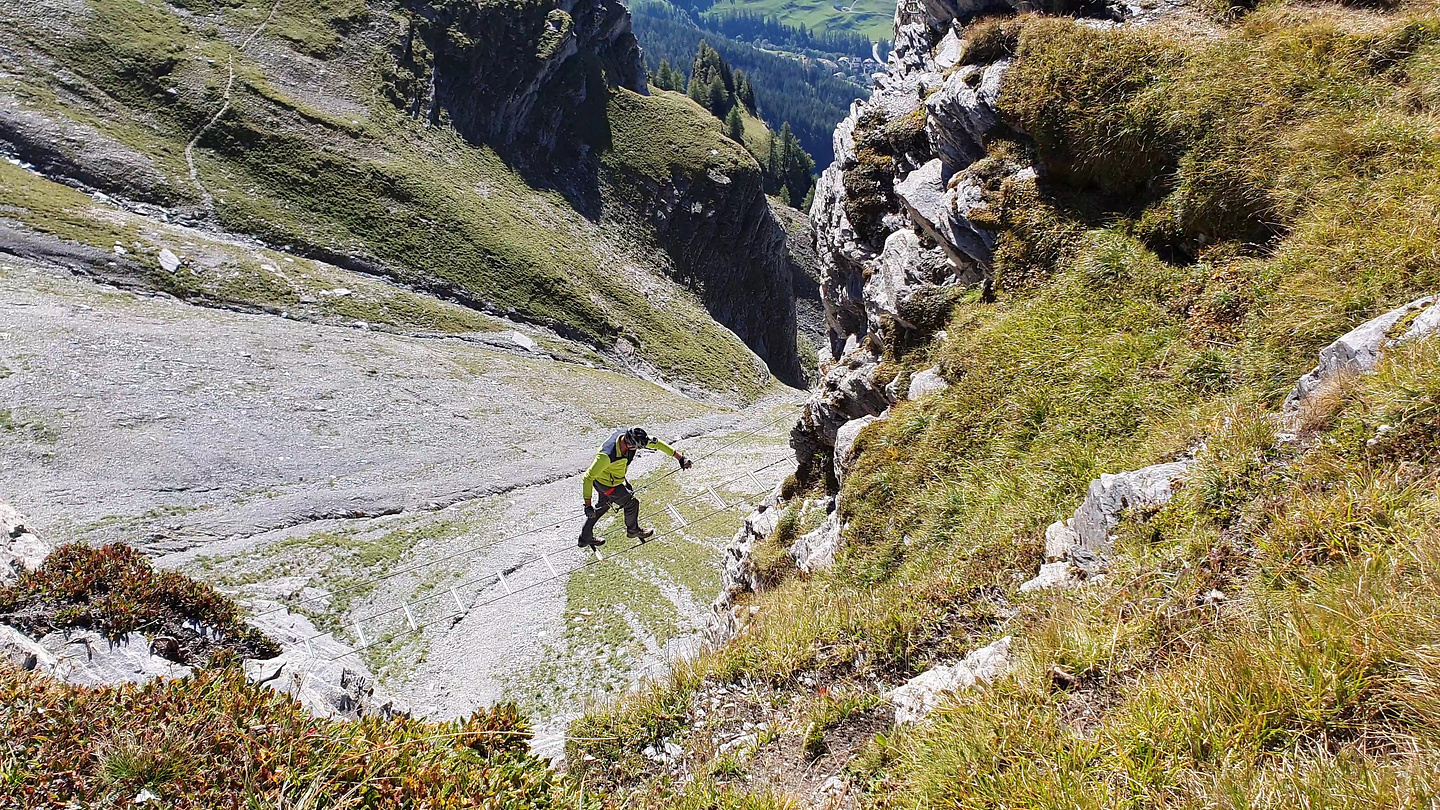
[[774, 164], [717, 100], [698, 90], [663, 78], [744, 91], [735, 126]]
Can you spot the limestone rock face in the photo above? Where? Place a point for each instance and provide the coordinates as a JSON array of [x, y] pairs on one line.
[[962, 112], [816, 550], [845, 443], [732, 249], [738, 575], [20, 550], [921, 694], [86, 658], [875, 267], [506, 75], [929, 204], [1357, 351]]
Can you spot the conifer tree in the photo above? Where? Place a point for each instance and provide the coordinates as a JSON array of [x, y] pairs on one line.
[[717, 100], [744, 91], [663, 77], [735, 125]]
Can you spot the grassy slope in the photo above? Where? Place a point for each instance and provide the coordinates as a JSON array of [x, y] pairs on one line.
[[873, 18], [373, 184], [1313, 129]]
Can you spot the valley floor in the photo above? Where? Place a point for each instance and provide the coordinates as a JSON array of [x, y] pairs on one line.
[[279, 459]]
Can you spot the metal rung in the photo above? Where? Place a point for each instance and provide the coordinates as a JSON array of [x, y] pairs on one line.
[[458, 604], [409, 617], [360, 631], [546, 558], [503, 581], [718, 501], [598, 555], [676, 515], [754, 480], [309, 650]]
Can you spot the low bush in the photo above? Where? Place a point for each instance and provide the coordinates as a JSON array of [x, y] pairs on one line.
[[115, 591]]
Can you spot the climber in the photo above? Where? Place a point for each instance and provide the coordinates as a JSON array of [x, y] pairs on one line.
[[608, 475]]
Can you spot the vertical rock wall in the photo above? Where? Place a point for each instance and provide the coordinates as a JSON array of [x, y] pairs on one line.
[[892, 214]]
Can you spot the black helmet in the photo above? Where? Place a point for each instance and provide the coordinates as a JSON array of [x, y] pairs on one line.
[[638, 436]]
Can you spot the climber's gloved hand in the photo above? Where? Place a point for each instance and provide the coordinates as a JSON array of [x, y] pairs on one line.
[[589, 510], [685, 463]]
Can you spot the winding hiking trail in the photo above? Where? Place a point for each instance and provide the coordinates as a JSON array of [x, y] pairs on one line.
[[279, 459]]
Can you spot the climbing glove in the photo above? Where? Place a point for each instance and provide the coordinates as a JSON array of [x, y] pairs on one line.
[[685, 463], [589, 511]]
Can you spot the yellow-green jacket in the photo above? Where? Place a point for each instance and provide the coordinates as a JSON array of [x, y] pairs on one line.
[[610, 466]]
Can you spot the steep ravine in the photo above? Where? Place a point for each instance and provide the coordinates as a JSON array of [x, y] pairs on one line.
[[537, 180]]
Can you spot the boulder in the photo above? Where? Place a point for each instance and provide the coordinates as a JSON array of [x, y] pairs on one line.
[[1110, 495], [921, 694], [926, 383], [1076, 548], [20, 550], [1052, 575], [1357, 351]]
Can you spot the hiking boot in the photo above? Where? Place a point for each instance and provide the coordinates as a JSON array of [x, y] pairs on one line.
[[640, 534], [594, 542]]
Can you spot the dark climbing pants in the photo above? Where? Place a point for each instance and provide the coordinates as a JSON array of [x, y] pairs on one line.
[[622, 496]]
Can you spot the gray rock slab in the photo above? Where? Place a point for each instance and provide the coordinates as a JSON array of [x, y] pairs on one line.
[[919, 696], [845, 443], [1357, 351]]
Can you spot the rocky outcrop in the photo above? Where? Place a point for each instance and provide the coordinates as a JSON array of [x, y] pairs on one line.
[[1077, 547], [815, 550], [86, 658], [322, 674], [514, 75], [729, 247], [20, 550], [890, 215], [1357, 351], [738, 574], [921, 694]]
